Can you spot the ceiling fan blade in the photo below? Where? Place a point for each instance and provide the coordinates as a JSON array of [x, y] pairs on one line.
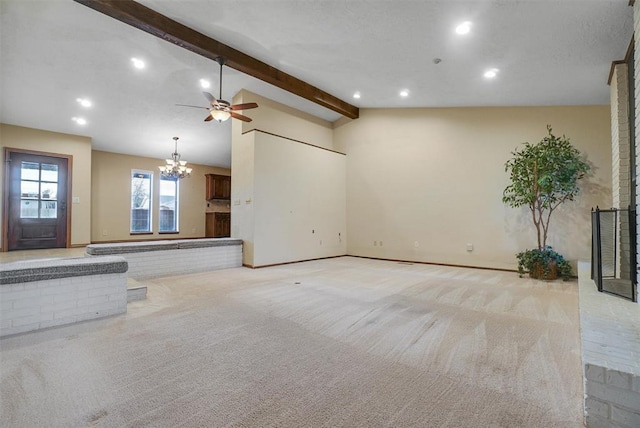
[[208, 118], [211, 98], [187, 105], [245, 106], [239, 116]]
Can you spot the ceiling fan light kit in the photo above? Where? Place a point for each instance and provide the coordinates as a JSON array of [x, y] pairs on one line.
[[220, 115], [220, 109]]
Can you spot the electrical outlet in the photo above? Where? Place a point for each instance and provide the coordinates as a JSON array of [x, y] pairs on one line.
[[104, 232], [193, 230], [469, 247], [416, 244], [321, 242], [375, 243]]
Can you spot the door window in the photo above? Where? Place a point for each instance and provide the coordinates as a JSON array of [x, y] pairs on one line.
[[38, 190]]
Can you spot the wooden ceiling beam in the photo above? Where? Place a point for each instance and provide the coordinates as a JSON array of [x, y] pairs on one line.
[[152, 22]]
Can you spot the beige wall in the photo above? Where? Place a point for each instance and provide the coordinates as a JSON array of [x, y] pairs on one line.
[[299, 201], [285, 121], [426, 182], [431, 176], [242, 190], [52, 142], [271, 174], [111, 203]]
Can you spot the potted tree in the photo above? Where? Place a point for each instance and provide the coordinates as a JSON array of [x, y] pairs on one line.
[[543, 176]]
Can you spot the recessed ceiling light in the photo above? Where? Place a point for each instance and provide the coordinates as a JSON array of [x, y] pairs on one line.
[[83, 102], [356, 95], [79, 120], [464, 28], [137, 63], [204, 83], [404, 93], [491, 73]]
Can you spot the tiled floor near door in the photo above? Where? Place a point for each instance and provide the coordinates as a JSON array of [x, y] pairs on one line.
[[14, 256]]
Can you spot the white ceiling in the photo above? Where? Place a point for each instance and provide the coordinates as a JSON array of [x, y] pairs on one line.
[[52, 52]]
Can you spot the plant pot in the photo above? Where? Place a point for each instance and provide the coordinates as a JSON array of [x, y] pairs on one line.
[[538, 271]]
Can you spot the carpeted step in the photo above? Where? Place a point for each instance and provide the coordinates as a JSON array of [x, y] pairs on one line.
[[135, 290]]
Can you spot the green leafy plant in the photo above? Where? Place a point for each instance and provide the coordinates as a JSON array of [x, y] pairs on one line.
[[543, 264], [544, 176]]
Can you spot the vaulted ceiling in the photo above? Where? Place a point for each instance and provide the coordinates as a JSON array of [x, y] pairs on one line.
[[54, 52]]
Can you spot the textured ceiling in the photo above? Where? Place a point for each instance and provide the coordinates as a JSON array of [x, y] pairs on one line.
[[52, 52]]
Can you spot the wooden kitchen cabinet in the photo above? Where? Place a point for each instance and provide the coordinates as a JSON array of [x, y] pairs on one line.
[[218, 225], [218, 187]]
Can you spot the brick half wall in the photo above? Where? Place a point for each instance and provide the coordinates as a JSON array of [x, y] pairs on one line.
[[156, 259], [38, 294]]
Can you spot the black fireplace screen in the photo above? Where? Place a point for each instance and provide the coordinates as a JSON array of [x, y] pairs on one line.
[[613, 251]]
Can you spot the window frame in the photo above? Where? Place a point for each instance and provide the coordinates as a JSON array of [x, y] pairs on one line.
[[149, 202], [176, 206]]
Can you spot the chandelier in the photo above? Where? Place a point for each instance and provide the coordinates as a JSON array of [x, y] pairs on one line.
[[175, 168]]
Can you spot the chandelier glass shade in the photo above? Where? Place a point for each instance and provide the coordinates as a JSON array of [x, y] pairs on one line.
[[175, 168]]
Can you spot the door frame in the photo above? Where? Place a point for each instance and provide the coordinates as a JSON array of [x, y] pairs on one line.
[[6, 187]]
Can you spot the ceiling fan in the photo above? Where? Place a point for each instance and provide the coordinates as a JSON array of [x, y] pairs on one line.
[[220, 109]]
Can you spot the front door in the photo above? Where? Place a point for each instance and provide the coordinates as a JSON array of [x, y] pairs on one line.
[[36, 207]]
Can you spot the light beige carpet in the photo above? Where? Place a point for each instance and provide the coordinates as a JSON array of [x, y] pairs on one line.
[[342, 342]]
